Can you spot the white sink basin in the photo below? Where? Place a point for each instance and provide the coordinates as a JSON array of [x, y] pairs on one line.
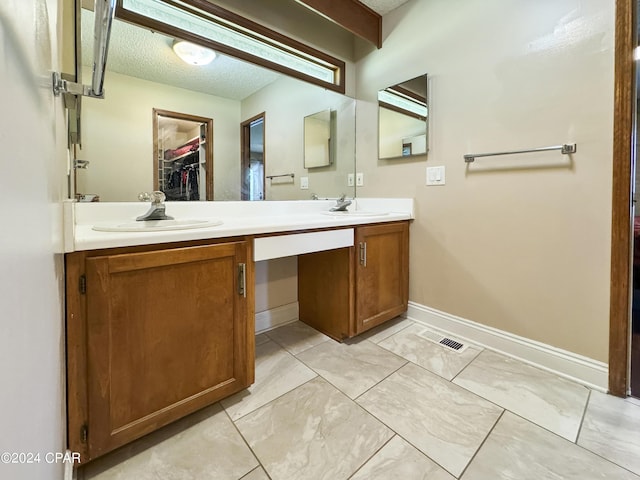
[[156, 225], [355, 213]]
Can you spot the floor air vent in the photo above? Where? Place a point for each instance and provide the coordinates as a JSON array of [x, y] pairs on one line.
[[443, 341], [447, 342]]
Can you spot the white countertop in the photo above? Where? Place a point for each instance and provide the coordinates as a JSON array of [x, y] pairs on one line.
[[238, 218]]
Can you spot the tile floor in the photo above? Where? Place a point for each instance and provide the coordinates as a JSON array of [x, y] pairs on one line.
[[390, 404]]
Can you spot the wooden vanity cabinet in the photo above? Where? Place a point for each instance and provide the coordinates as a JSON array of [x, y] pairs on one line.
[[154, 334], [347, 291]]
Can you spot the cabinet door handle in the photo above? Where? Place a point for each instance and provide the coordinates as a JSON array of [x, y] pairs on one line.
[[242, 279], [363, 254]]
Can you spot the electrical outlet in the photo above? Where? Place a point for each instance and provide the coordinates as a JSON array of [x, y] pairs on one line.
[[304, 183], [435, 175], [350, 180], [359, 179]]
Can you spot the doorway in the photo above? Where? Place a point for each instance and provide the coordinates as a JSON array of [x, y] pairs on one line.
[[182, 156], [252, 178]]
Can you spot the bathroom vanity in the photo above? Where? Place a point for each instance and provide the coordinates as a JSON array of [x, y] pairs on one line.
[[161, 324]]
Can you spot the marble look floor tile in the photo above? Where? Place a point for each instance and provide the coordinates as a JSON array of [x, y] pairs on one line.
[[209, 449], [519, 450], [546, 399], [261, 338], [444, 421], [635, 401], [257, 474], [296, 337], [352, 368], [398, 460], [379, 333], [611, 428], [313, 432], [277, 372], [413, 344]]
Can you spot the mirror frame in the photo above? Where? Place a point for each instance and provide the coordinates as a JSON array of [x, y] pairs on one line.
[[233, 21]]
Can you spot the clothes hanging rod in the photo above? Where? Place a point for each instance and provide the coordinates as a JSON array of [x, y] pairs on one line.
[[271, 177], [565, 149]]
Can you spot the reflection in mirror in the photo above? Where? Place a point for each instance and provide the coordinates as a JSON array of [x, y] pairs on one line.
[[317, 139], [253, 158], [144, 73], [184, 160], [402, 119]]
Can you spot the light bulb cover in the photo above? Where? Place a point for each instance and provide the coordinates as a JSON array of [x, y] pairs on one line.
[[193, 54]]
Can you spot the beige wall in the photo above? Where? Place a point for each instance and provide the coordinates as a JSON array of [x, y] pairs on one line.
[[117, 137], [521, 243], [286, 102]]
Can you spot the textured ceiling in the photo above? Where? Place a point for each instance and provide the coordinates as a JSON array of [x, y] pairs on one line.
[[143, 54], [147, 55]]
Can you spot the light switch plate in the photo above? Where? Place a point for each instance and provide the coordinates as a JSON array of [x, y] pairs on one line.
[[351, 180], [435, 175], [359, 179], [304, 183]]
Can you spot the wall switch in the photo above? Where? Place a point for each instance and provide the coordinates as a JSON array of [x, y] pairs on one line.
[[351, 180], [304, 183], [359, 179], [435, 175]]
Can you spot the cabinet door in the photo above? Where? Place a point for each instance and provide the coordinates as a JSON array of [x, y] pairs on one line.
[[167, 334], [382, 273]]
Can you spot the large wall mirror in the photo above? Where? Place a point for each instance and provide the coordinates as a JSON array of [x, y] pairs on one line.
[[144, 73], [402, 119]]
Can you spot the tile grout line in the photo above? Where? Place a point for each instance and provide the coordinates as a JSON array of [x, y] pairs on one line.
[[584, 414], [248, 446], [344, 393], [392, 334], [272, 400], [464, 470], [382, 380], [373, 455], [403, 438], [467, 365], [250, 472]]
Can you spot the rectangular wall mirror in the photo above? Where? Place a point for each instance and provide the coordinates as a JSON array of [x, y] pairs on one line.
[[402, 119], [318, 144], [144, 73]]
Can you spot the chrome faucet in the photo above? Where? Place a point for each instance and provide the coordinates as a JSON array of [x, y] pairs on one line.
[[341, 204], [157, 209]]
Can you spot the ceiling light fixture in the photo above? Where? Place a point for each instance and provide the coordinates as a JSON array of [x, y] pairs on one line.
[[193, 54]]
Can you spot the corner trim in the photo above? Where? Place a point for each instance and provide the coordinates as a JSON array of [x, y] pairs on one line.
[[276, 317], [586, 371]]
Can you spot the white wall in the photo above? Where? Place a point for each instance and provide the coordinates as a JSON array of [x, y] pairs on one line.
[[32, 141], [117, 137], [521, 243]]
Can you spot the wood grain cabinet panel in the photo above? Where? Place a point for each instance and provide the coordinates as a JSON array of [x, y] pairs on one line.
[[382, 273], [167, 333], [345, 292]]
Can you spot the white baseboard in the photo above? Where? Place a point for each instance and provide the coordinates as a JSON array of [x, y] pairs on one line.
[[276, 317], [591, 373]]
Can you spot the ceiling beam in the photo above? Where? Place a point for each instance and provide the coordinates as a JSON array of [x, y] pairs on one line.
[[352, 15]]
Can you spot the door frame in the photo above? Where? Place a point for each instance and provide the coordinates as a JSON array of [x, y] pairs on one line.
[[621, 222], [245, 153], [208, 146]]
